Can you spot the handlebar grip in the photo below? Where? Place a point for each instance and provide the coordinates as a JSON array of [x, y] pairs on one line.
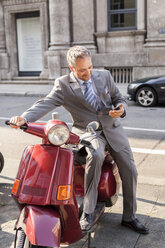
[[23, 127], [7, 122]]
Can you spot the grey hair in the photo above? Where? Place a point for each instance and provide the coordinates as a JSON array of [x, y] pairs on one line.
[[76, 52]]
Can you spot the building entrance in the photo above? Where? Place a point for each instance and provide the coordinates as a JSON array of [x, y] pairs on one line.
[[29, 43]]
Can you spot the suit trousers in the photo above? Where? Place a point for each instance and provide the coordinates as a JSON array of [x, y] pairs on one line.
[[127, 171]]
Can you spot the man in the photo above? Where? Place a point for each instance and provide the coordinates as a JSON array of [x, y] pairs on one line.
[[91, 95]]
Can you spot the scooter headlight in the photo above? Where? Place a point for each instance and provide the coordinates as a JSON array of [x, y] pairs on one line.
[[58, 135]]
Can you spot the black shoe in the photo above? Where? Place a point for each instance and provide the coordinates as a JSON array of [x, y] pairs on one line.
[[136, 226], [86, 222]]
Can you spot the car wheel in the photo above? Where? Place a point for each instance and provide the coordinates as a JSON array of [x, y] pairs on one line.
[[146, 97]]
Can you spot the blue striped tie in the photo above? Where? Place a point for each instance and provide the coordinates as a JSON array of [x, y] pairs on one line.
[[89, 95]]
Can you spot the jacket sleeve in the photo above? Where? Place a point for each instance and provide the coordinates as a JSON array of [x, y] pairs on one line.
[[40, 108]]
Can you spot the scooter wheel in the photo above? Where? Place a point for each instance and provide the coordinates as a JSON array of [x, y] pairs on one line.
[[1, 161], [29, 245]]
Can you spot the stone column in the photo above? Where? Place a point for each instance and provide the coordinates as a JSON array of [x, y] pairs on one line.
[[2, 31], [102, 25], [141, 14], [155, 41], [59, 36], [155, 19], [59, 24], [3, 54], [83, 23]]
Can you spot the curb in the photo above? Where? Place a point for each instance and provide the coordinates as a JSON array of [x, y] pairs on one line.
[[22, 94]]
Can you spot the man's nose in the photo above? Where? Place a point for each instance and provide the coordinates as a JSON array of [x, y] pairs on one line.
[[89, 71]]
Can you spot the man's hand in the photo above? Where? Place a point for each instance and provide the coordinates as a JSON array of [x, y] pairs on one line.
[[18, 121], [116, 113]]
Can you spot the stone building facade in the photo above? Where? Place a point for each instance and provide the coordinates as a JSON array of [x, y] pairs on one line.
[[125, 36]]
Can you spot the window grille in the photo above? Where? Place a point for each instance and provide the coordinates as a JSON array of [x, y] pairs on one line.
[[121, 75]]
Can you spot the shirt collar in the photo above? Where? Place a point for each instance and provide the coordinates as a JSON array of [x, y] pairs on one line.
[[81, 82]]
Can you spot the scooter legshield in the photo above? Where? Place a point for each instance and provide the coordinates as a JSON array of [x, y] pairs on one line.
[[41, 225]]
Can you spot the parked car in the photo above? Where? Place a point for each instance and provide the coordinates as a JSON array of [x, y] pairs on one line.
[[147, 91]]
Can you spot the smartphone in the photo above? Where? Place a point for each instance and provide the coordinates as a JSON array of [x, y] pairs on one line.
[[117, 108]]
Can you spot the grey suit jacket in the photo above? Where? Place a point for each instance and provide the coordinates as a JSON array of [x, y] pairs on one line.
[[67, 92]]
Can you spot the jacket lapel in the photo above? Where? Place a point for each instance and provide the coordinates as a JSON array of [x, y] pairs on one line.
[[97, 81], [101, 88], [75, 87]]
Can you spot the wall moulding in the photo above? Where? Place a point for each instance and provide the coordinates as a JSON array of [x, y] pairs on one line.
[[20, 2], [120, 33]]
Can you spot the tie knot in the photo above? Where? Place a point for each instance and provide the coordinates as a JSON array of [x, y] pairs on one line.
[[85, 85]]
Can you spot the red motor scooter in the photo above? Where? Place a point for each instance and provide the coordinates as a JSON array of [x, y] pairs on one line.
[[49, 185]]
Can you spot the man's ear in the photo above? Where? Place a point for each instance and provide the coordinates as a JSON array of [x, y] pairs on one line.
[[71, 68]]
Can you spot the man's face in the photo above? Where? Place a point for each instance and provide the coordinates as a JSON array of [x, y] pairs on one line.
[[83, 68]]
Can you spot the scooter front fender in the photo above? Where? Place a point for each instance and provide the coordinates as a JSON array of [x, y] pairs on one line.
[[41, 225]]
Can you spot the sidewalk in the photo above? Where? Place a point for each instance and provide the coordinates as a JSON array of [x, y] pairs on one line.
[[37, 89], [25, 89]]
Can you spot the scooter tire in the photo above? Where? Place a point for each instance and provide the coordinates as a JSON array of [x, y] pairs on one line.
[[35, 246], [29, 245], [1, 161]]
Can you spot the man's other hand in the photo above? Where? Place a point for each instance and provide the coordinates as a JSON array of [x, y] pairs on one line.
[[116, 113], [18, 121]]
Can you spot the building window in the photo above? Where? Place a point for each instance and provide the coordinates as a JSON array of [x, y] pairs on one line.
[[122, 14]]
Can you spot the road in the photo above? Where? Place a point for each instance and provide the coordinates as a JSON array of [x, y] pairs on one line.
[[146, 132], [144, 126]]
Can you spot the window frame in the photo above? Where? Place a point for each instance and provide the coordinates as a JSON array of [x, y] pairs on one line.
[[121, 11]]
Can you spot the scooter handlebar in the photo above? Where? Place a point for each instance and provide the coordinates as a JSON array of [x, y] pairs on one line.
[[23, 127]]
